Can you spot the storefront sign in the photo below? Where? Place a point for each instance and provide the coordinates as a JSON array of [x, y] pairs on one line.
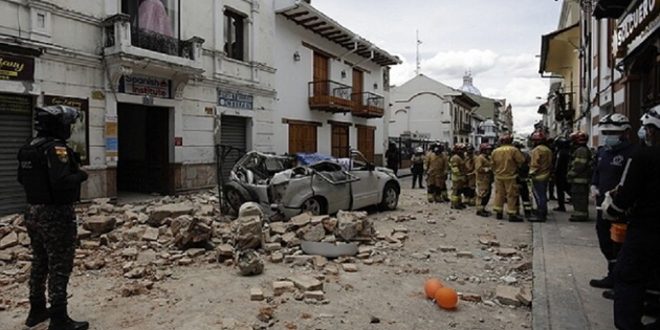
[[79, 140], [16, 68], [141, 85], [235, 100], [15, 103], [634, 21]]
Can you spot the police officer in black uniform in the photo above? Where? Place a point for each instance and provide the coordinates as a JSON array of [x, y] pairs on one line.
[[636, 199], [50, 173]]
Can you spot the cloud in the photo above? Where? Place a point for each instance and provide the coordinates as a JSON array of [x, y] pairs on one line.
[[455, 63]]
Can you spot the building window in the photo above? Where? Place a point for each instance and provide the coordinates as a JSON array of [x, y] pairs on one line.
[[155, 16], [234, 35]]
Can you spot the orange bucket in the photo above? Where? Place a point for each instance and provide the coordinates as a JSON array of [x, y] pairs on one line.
[[618, 232]]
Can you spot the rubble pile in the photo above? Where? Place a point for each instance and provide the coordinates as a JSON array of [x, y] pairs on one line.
[[142, 242]]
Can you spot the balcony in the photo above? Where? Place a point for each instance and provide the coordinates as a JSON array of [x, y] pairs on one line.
[[368, 105], [465, 129], [123, 39], [330, 96]]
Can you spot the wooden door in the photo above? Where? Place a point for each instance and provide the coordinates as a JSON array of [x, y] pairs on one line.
[[302, 138], [358, 87], [321, 75], [339, 143], [366, 141]]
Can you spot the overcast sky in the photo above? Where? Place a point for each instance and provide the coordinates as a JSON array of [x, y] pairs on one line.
[[497, 40]]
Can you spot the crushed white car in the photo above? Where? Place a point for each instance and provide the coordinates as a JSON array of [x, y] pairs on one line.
[[324, 187]]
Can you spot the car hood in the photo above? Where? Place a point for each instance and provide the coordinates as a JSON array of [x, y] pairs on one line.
[[386, 171]]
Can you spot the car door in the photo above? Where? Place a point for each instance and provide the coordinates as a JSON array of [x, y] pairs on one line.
[[365, 190]]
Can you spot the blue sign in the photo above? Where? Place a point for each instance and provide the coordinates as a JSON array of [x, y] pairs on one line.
[[235, 100]]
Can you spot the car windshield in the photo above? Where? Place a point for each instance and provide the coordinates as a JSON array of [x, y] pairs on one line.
[[359, 162], [264, 166]]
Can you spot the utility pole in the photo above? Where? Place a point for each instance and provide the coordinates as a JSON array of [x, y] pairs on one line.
[[419, 63]]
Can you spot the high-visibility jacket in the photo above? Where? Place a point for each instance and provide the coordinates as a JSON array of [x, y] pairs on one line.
[[579, 171], [482, 168], [457, 165], [540, 166], [506, 159]]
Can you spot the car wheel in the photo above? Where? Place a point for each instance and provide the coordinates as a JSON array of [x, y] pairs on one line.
[[234, 198], [390, 197], [313, 206]]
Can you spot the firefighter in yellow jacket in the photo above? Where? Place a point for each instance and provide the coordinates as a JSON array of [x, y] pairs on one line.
[[540, 168], [471, 188], [484, 178], [458, 176], [435, 164], [506, 160]]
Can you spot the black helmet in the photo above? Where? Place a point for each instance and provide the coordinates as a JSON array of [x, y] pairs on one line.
[[55, 120]]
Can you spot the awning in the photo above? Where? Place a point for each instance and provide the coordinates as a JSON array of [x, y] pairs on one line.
[[310, 18], [558, 48], [610, 8]]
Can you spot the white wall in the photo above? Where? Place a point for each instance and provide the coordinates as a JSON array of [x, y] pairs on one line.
[[292, 79]]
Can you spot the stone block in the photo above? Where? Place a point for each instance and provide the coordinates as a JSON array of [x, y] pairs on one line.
[[306, 283]]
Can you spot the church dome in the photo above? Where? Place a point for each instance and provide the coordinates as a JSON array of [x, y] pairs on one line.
[[468, 86]]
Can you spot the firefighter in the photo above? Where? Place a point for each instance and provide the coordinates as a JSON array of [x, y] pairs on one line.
[[471, 188], [636, 199], [562, 160], [50, 173], [458, 176], [506, 160], [436, 168], [539, 171], [523, 187], [484, 178], [611, 161], [579, 176]]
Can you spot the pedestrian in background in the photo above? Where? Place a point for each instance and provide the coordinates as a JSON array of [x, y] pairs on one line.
[[636, 199], [484, 178], [540, 169], [50, 173], [579, 176], [506, 160], [392, 155], [615, 130], [417, 168]]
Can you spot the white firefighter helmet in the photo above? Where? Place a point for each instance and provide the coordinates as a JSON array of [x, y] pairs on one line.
[[614, 122], [652, 117]]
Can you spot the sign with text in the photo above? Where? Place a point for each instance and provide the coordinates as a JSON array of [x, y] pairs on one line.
[[634, 21], [16, 68], [79, 140], [142, 85], [236, 100]]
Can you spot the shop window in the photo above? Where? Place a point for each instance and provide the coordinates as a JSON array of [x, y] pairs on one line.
[[234, 35]]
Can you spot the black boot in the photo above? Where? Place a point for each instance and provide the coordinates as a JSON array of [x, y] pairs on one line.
[[60, 320], [515, 218], [499, 216], [38, 313], [603, 283], [608, 294]]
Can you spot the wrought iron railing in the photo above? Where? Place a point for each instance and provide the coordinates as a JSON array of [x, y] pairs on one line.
[[368, 104], [330, 88]]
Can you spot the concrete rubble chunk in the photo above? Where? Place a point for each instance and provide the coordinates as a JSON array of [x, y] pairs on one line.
[[349, 268], [84, 233], [315, 295], [301, 220], [506, 252], [8, 241], [6, 256], [472, 297], [256, 294], [524, 266], [130, 252], [320, 261], [159, 213], [318, 219], [525, 296], [249, 232], [330, 224], [150, 234], [314, 233], [197, 233], [507, 295], [94, 264], [306, 283], [137, 272], [194, 253], [90, 245], [100, 224], [276, 257], [271, 247], [278, 228], [488, 240], [464, 254], [290, 239], [281, 287], [447, 249]]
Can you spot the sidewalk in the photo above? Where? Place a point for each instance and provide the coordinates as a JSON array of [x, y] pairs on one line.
[[566, 257]]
